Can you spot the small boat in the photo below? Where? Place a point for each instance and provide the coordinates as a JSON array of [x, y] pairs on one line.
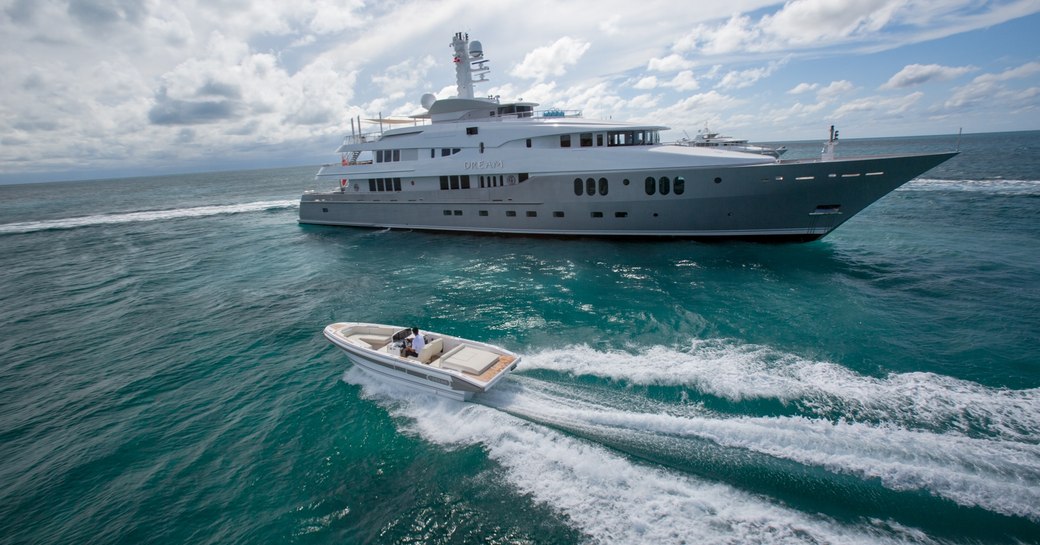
[[448, 366], [706, 138]]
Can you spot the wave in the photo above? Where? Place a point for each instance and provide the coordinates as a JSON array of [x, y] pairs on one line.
[[606, 494], [144, 215], [996, 187], [738, 373]]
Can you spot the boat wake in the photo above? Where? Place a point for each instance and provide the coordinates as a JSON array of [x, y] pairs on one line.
[[582, 446], [1009, 188], [144, 215]]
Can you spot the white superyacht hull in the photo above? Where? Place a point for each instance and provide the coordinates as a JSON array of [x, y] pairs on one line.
[[787, 200]]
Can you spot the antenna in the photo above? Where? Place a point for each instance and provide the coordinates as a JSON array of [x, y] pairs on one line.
[[959, 131], [469, 64]]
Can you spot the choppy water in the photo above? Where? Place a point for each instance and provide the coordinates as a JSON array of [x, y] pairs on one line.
[[164, 379]]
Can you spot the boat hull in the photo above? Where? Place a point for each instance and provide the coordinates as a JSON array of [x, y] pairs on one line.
[[787, 200]]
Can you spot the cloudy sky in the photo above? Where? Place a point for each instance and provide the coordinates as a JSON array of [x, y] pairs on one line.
[[99, 88]]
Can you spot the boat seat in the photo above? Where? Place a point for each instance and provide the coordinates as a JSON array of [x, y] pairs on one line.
[[374, 341], [469, 360], [430, 351]]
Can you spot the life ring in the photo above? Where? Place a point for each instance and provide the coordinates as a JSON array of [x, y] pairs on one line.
[[512, 179], [343, 182]]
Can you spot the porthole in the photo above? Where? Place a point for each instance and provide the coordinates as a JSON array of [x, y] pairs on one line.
[[665, 185], [603, 186], [651, 185], [718, 180], [625, 181], [590, 186], [680, 185], [578, 187]]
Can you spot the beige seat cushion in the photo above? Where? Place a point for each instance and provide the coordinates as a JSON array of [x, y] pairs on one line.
[[469, 359], [431, 351]]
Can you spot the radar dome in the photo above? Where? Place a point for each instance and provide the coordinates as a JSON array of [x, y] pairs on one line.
[[427, 100], [476, 50]]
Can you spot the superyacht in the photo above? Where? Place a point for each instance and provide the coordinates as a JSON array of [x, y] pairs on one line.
[[474, 164]]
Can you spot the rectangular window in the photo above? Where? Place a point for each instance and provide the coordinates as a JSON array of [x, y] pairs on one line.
[[465, 181], [511, 213], [444, 182], [597, 214], [433, 153], [454, 181], [599, 139], [379, 185], [447, 212], [528, 142], [458, 212], [445, 152], [397, 155], [482, 213], [532, 214], [523, 177], [397, 184], [371, 184], [565, 140], [482, 181], [558, 214], [471, 130], [620, 214], [586, 139]]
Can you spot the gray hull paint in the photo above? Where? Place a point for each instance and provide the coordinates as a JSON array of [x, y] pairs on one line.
[[790, 200]]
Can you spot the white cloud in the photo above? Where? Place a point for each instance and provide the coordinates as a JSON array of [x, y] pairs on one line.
[[671, 63], [738, 79], [803, 88], [648, 82], [990, 88], [879, 106], [917, 74], [551, 60], [834, 89]]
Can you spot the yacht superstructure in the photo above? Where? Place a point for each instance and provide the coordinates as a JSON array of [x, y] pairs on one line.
[[483, 165]]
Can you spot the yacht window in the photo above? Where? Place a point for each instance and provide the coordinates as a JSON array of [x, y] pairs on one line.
[[565, 140], [511, 213], [371, 184], [528, 142], [599, 139], [620, 214], [651, 185], [471, 130], [433, 153], [558, 214], [481, 181], [665, 185], [578, 188], [465, 181], [455, 150], [597, 214], [482, 213], [397, 184], [458, 212], [379, 184], [586, 139], [590, 186], [447, 212], [602, 186], [445, 152], [379, 156], [444, 182], [454, 181], [532, 214], [680, 185], [523, 177]]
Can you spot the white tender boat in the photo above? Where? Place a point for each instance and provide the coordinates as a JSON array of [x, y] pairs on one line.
[[480, 165], [448, 366]]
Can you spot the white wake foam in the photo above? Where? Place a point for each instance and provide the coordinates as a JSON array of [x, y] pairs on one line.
[[996, 187], [747, 372], [145, 215], [609, 497]]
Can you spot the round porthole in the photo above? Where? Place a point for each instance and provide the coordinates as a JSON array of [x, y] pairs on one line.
[[718, 180]]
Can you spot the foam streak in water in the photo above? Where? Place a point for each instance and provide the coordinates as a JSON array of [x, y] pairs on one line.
[[607, 495], [145, 215]]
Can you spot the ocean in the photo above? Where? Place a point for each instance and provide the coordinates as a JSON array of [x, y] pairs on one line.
[[164, 379]]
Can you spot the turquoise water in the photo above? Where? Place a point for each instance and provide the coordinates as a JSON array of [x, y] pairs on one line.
[[164, 377]]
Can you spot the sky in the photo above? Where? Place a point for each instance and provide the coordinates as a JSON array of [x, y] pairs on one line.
[[110, 88]]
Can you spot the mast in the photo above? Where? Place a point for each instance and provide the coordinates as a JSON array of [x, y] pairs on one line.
[[470, 64]]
